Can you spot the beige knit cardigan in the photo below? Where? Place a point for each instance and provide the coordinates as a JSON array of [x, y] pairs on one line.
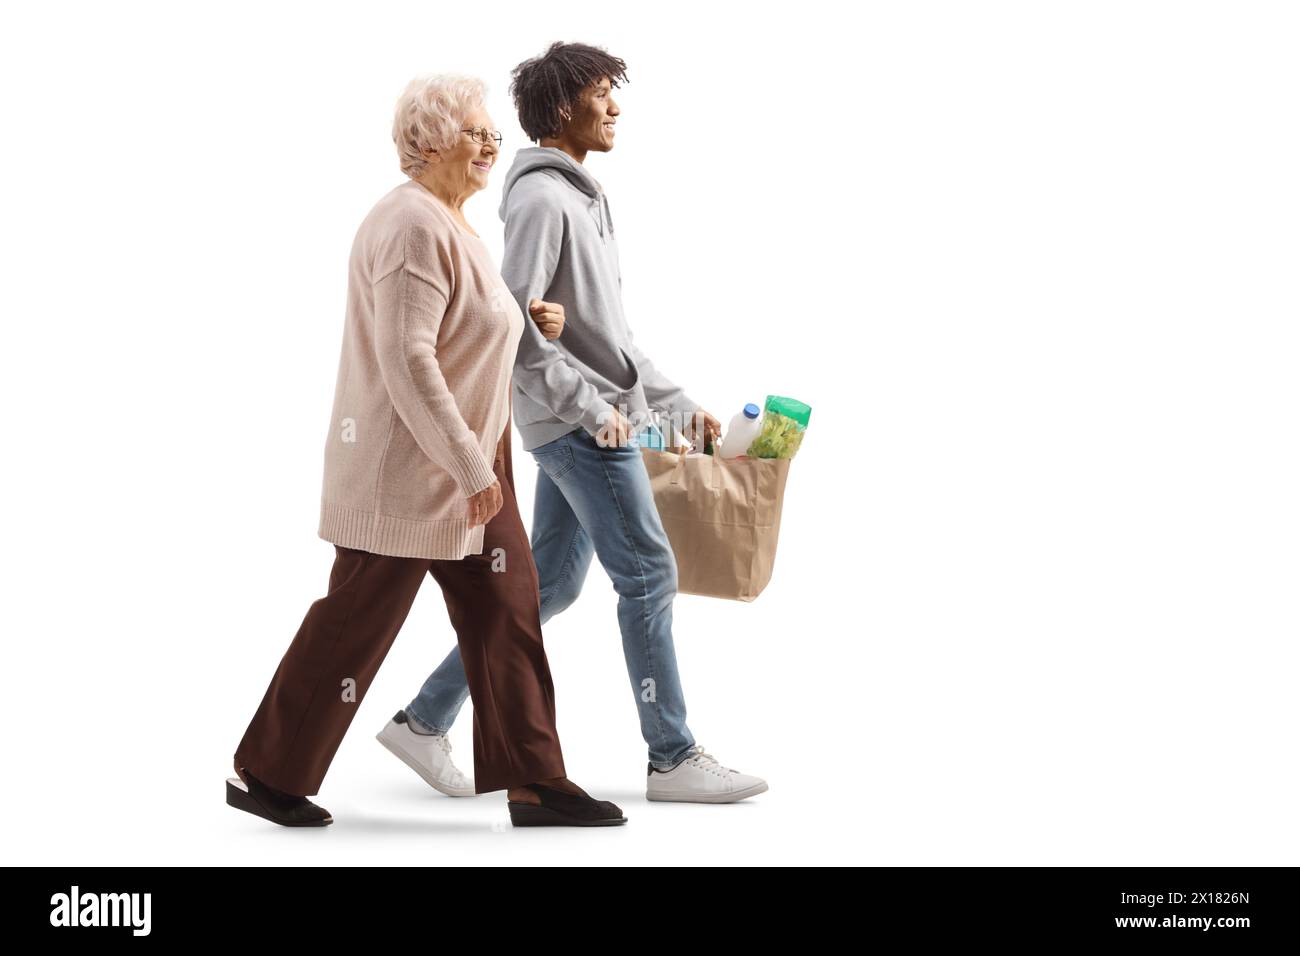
[[423, 384]]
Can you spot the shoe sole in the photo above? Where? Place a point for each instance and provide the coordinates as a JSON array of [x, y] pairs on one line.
[[531, 815], [687, 796], [239, 798], [419, 768]]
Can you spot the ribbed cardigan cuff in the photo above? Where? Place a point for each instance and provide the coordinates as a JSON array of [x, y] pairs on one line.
[[471, 471]]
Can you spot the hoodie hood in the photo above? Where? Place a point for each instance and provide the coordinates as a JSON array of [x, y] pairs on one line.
[[535, 159]]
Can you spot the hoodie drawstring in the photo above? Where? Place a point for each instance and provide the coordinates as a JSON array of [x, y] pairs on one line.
[[608, 218]]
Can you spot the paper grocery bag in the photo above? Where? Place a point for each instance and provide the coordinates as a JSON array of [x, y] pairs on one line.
[[722, 517]]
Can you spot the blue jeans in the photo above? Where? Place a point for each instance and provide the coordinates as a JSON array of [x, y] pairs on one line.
[[593, 500]]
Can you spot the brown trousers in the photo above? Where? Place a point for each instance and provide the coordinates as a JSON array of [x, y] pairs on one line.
[[346, 635]]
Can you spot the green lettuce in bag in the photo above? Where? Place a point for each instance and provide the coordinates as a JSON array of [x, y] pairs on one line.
[[784, 421]]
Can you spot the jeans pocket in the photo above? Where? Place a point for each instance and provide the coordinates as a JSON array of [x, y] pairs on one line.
[[555, 458]]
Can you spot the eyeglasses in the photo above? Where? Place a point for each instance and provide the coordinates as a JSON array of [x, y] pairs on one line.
[[481, 135]]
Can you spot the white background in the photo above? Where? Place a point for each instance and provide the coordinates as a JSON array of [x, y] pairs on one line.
[[1032, 264]]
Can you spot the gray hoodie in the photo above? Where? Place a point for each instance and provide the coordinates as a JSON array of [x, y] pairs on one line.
[[560, 247]]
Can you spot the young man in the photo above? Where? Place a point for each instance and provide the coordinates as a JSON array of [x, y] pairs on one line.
[[578, 402]]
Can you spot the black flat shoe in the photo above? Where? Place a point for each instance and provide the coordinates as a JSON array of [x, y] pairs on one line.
[[560, 809], [268, 803]]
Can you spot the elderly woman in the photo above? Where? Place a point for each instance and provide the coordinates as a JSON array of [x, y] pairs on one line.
[[417, 481]]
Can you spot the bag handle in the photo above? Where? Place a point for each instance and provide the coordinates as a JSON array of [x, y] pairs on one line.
[[680, 467], [715, 480], [716, 471]]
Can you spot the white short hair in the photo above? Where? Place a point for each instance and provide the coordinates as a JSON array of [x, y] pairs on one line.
[[430, 114]]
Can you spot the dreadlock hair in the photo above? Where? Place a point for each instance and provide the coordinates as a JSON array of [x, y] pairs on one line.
[[546, 85]]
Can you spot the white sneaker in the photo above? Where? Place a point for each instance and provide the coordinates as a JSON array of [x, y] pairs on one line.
[[701, 779], [429, 755]]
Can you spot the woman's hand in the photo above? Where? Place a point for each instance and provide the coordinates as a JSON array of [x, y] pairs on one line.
[[549, 317], [484, 505]]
